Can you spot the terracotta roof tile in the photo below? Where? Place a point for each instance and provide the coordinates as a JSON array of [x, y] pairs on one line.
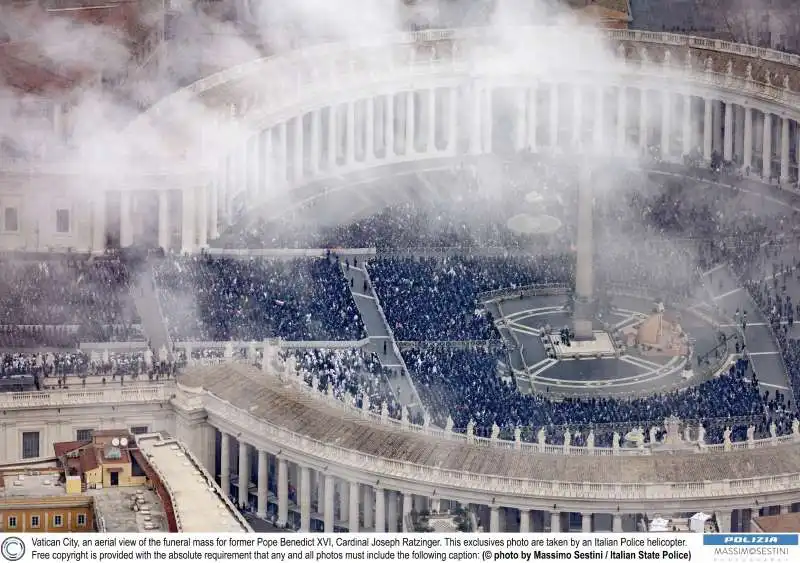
[[89, 460], [63, 448]]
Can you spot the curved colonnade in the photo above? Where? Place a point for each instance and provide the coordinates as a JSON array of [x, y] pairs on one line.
[[333, 109], [350, 468]]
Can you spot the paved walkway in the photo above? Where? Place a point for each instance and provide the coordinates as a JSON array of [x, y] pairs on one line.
[[145, 296], [379, 334]]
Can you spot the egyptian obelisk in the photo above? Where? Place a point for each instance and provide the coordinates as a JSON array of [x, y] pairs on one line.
[[583, 314]]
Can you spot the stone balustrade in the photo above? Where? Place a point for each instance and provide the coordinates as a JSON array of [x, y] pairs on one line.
[[108, 396]]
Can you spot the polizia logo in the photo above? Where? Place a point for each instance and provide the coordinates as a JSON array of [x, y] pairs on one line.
[[750, 539]]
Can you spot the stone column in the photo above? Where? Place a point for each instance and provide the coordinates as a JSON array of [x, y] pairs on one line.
[[268, 162], [643, 119], [766, 153], [475, 128], [263, 482], [586, 522], [494, 519], [524, 521], [553, 116], [380, 510], [125, 219], [584, 278], [344, 501], [616, 525], [244, 474], [225, 463], [577, 115], [555, 522], [213, 214], [410, 117], [717, 128], [797, 152], [724, 521], [452, 136], [708, 133], [283, 492], [333, 137], [298, 157], [598, 121], [163, 219], [99, 223], [687, 124], [785, 508], [188, 220], [727, 149], [369, 506], [532, 112], [389, 127], [223, 191], [520, 124], [784, 150], [408, 500], [330, 485], [305, 499], [316, 134], [283, 154], [202, 216], [350, 134], [430, 144], [666, 124], [738, 132], [369, 134], [747, 157], [252, 166], [622, 118], [354, 511], [488, 119], [391, 518]]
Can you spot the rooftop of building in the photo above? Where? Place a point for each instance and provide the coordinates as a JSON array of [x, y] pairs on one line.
[[197, 501], [126, 510], [33, 483], [779, 524], [105, 447]]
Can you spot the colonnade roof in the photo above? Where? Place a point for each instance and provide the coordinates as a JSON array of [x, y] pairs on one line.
[[284, 405], [656, 53]]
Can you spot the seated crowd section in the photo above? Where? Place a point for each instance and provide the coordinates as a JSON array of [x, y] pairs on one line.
[[60, 302], [435, 299], [224, 299], [51, 304]]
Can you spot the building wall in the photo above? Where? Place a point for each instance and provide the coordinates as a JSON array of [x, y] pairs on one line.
[[36, 208], [54, 514], [126, 479], [62, 424]]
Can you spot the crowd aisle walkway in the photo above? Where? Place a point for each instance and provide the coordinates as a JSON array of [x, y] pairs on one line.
[[154, 325], [381, 338]]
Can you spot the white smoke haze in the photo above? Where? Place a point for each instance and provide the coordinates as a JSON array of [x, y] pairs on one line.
[[207, 37]]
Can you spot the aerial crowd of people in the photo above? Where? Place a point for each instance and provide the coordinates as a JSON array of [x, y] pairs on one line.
[[432, 266]]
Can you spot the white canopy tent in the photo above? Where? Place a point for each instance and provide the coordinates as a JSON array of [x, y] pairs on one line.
[[659, 524], [697, 523]]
